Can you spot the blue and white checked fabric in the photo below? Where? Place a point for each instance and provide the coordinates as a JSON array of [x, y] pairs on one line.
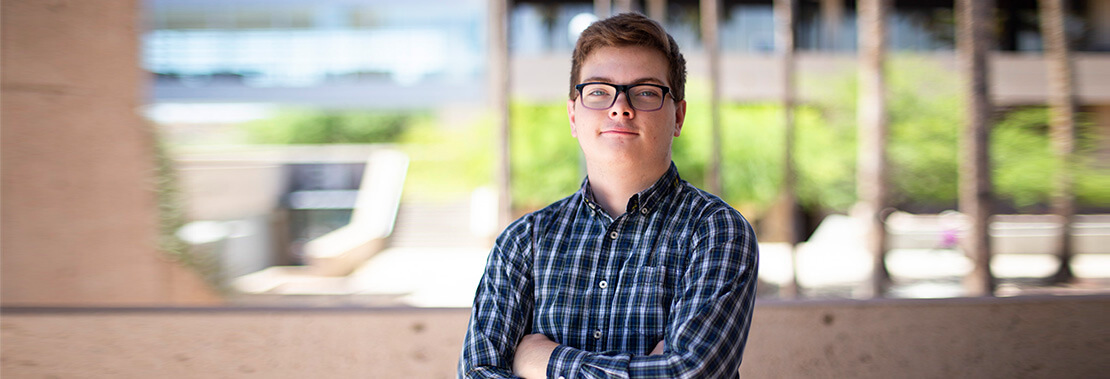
[[679, 265]]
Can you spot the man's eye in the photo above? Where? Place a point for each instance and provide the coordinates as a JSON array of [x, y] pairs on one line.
[[597, 92], [647, 93]]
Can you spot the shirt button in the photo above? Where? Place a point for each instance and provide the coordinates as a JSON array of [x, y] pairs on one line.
[[597, 334], [613, 235], [644, 211], [562, 377], [603, 284]]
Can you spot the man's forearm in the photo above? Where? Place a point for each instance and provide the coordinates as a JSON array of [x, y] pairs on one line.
[[532, 355]]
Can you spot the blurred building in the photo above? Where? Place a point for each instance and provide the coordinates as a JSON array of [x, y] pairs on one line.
[[427, 53], [335, 53], [432, 54], [215, 56], [80, 233], [236, 59]]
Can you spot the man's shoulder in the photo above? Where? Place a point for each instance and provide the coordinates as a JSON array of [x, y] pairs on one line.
[[526, 225], [705, 203], [708, 212]]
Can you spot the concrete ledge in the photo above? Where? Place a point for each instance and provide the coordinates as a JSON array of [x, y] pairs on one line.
[[981, 337]]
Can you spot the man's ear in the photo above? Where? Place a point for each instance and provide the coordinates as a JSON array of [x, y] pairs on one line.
[[570, 116], [679, 117]]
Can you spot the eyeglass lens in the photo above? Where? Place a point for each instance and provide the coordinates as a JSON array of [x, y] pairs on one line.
[[602, 96]]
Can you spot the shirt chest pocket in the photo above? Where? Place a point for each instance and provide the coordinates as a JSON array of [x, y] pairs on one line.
[[642, 302]]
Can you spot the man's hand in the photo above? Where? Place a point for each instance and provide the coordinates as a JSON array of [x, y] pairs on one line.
[[532, 355], [658, 348]]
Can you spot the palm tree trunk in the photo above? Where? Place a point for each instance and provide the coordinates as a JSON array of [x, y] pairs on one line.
[[499, 97], [603, 8], [1061, 100], [871, 163], [657, 10], [832, 14], [710, 17], [973, 38], [784, 40], [622, 6]]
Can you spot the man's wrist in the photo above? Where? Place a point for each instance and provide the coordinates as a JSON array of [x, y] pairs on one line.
[[564, 362]]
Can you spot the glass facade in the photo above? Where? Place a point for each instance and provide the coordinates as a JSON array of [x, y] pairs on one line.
[[299, 44], [748, 26], [422, 53]]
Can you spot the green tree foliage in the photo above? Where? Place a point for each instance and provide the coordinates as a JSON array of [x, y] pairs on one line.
[[445, 161], [171, 218], [546, 161], [305, 126], [1026, 163], [925, 119]]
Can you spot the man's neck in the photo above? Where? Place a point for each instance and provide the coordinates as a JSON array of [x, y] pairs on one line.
[[613, 186]]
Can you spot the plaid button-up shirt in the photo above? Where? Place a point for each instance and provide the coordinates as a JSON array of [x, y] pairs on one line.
[[680, 265]]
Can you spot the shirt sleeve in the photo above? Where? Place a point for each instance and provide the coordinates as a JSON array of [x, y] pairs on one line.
[[502, 309], [708, 325]]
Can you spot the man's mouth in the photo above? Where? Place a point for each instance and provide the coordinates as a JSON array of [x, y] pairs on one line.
[[621, 131]]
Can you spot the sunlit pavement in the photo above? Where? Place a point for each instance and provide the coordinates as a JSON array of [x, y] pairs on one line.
[[421, 270], [422, 277], [834, 264], [448, 277]]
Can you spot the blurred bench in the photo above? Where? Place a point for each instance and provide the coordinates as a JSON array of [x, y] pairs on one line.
[[1010, 234]]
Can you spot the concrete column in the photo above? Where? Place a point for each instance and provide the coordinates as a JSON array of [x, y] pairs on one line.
[[80, 223]]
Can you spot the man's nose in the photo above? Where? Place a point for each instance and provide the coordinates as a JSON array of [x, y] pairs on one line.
[[622, 107]]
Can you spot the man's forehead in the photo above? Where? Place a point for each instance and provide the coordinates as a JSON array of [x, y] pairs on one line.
[[624, 64], [643, 80]]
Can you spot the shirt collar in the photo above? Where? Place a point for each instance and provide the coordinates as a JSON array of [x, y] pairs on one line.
[[644, 201]]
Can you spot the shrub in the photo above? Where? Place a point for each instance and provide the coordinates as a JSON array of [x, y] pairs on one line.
[[306, 126]]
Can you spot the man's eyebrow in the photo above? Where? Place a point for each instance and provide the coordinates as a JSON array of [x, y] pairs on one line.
[[637, 81]]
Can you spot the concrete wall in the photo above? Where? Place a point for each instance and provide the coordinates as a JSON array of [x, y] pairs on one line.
[[1015, 79], [1065, 337], [79, 218]]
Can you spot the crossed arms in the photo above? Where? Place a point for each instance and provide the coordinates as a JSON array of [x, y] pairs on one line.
[[704, 334]]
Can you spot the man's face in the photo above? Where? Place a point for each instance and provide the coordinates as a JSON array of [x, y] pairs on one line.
[[620, 134]]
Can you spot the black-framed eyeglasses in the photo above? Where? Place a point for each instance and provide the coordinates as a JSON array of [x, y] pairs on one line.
[[642, 97]]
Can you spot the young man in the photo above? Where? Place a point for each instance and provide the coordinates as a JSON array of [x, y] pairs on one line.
[[638, 273]]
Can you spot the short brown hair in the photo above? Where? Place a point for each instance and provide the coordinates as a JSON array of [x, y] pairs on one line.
[[630, 29]]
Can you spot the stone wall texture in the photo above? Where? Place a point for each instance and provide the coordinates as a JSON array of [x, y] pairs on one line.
[[1064, 337], [78, 189]]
